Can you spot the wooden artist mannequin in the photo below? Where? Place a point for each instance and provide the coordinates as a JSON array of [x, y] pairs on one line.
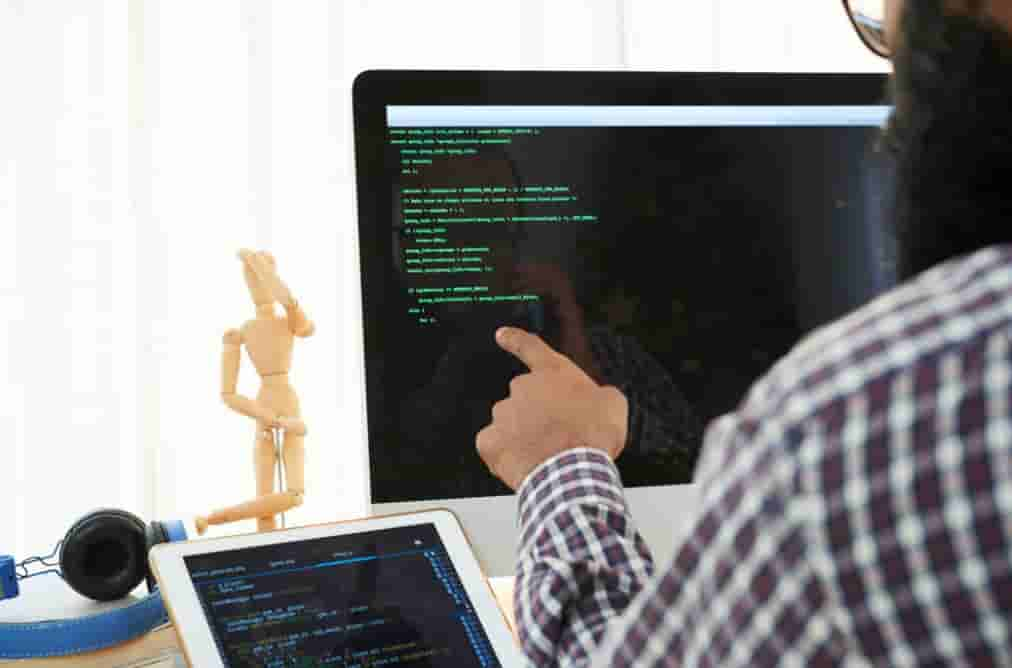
[[269, 340]]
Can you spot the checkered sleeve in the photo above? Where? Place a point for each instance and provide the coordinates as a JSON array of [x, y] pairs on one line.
[[739, 592], [854, 510], [581, 561]]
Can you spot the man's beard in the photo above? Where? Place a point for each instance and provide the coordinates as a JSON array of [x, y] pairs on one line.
[[951, 134]]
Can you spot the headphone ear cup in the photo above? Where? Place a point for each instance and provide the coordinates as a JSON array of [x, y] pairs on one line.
[[103, 555]]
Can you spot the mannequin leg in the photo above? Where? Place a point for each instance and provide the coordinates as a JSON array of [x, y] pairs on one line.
[[267, 504], [263, 506], [263, 461], [294, 454]]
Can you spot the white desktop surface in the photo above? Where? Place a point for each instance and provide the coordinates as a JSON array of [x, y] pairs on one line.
[[660, 514]]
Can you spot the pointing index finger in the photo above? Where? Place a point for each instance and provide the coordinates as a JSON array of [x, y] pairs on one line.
[[527, 347]]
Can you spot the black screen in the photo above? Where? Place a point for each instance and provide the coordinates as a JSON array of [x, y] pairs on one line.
[[676, 263], [377, 598], [676, 260]]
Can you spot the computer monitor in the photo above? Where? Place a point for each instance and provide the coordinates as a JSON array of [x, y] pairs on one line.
[[674, 234]]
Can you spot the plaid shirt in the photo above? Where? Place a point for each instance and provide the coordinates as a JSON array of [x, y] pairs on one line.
[[855, 510]]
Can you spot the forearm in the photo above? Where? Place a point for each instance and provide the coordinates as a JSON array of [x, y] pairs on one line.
[[246, 406], [230, 355], [298, 322], [581, 560]]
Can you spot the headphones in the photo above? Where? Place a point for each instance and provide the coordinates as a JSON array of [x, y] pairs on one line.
[[103, 556]]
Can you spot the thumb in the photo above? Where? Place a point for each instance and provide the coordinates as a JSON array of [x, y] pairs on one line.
[[527, 347]]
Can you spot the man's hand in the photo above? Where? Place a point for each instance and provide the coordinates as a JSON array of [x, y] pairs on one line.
[[553, 408]]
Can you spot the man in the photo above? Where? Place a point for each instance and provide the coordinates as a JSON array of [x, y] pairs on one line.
[[857, 508]]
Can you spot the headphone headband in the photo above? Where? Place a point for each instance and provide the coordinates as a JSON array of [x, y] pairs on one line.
[[104, 557], [60, 637]]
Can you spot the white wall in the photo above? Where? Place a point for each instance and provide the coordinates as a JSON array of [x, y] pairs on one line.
[[142, 143]]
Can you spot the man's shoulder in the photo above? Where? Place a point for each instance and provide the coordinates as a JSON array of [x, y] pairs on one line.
[[949, 307]]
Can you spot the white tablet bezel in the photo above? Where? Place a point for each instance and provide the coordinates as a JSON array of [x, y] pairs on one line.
[[194, 629]]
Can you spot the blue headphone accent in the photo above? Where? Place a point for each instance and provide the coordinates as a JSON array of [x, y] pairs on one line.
[[104, 556], [8, 577], [175, 531]]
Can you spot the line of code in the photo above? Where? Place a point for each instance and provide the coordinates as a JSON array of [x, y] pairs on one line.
[[462, 215]]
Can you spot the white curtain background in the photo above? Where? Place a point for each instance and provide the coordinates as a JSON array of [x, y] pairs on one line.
[[142, 143]]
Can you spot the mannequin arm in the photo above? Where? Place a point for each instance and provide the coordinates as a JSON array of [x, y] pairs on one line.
[[298, 322], [230, 377], [292, 425], [262, 265]]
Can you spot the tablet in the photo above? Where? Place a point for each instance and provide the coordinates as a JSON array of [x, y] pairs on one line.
[[400, 590]]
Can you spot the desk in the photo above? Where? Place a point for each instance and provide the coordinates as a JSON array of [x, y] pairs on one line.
[[46, 597]]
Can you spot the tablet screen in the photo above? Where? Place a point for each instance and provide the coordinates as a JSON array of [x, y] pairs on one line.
[[389, 597]]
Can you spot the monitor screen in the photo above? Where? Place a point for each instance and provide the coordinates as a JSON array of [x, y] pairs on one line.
[[673, 251]]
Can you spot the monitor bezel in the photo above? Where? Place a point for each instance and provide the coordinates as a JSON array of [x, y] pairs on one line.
[[374, 90]]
